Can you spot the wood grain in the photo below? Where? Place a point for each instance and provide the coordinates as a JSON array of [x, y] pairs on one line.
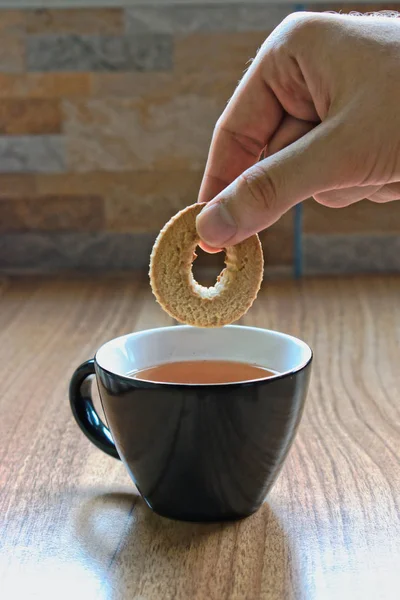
[[71, 523]]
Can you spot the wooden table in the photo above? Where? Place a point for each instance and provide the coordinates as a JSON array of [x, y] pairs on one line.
[[72, 525]]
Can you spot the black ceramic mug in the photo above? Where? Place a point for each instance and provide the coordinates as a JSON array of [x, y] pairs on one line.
[[197, 452]]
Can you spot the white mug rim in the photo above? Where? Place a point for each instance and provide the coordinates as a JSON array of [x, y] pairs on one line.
[[174, 328]]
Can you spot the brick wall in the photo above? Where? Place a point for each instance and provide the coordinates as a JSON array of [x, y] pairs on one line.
[[105, 120]]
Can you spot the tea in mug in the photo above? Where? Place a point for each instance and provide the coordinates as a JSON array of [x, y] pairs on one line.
[[203, 372]]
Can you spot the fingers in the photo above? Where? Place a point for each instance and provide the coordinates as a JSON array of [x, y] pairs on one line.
[[244, 129], [209, 249], [289, 130], [345, 196], [263, 193], [387, 193]]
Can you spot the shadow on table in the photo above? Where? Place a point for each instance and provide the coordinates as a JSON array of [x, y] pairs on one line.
[[141, 555]]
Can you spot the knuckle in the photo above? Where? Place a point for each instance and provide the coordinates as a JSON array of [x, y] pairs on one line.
[[261, 191], [301, 27]]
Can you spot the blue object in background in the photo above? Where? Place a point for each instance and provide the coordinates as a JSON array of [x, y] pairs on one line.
[[297, 241]]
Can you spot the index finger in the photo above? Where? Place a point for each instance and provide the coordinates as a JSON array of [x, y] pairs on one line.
[[250, 119]]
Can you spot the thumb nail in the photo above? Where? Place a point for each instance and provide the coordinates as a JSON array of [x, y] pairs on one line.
[[215, 225]]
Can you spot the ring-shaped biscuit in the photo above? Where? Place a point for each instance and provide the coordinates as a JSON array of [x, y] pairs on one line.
[[178, 292]]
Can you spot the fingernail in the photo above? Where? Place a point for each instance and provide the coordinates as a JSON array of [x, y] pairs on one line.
[[215, 225]]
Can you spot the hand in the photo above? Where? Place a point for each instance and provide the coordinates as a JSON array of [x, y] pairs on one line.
[[321, 100]]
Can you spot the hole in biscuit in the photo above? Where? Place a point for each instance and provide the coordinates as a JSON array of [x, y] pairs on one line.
[[206, 267]]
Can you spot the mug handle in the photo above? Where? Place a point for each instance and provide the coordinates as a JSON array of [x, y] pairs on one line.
[[85, 413]]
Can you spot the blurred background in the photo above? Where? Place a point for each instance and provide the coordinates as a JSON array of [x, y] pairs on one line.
[[106, 114]]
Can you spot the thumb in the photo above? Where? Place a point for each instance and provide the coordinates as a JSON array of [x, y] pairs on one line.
[[263, 193]]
